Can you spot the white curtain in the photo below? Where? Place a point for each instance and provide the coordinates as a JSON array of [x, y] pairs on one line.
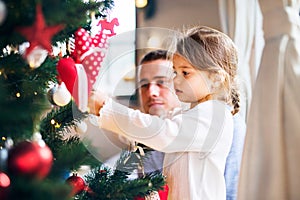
[[270, 165], [267, 35], [242, 21]]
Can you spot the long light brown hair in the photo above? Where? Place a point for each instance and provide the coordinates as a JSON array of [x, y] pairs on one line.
[[208, 49]]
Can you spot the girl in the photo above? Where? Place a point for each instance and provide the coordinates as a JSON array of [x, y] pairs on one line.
[[196, 142]]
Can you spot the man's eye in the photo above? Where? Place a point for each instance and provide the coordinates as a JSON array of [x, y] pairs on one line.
[[161, 82], [144, 85]]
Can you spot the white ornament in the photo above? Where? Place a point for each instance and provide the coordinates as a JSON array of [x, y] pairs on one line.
[[3, 157], [153, 196], [61, 95], [37, 137], [36, 57], [2, 12]]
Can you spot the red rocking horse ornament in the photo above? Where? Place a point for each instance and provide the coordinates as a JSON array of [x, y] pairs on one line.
[[105, 25]]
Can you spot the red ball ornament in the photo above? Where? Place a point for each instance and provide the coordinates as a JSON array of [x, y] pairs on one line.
[[75, 79], [33, 159], [77, 183]]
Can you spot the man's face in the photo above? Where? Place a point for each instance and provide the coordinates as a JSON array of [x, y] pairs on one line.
[[155, 86]]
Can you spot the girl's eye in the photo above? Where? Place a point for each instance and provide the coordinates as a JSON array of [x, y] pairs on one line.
[[185, 73]]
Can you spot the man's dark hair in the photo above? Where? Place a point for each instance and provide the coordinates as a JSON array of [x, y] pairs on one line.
[[155, 55]]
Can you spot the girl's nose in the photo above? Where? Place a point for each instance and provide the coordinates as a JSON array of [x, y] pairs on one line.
[[176, 80]]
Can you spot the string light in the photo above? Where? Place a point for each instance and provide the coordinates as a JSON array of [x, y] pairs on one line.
[[141, 3], [3, 139], [55, 124], [35, 93], [2, 73], [52, 121], [18, 94]]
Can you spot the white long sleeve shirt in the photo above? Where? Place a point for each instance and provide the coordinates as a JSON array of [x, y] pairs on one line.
[[196, 143]]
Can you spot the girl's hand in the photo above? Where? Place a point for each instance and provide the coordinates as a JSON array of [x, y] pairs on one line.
[[96, 102]]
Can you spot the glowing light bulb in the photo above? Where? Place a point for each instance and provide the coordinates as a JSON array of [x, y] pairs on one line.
[[52, 121], [141, 3], [18, 94]]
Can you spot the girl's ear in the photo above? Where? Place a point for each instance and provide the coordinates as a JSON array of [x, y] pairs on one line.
[[220, 84], [221, 76], [217, 80]]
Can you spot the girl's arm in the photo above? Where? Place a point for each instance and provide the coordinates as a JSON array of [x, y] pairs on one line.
[[101, 143], [96, 102], [196, 130]]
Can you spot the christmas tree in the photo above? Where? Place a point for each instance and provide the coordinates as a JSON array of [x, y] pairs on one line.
[[35, 155]]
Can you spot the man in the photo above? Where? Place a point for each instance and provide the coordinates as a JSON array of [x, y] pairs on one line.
[[234, 158], [156, 95]]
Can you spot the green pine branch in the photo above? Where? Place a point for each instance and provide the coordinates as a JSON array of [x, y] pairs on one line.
[[106, 183], [58, 123], [23, 91], [26, 109], [72, 13], [24, 189]]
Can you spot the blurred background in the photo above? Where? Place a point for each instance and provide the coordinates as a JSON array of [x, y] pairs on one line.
[[145, 24]]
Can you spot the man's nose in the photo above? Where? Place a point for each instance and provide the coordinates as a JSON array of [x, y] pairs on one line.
[[153, 89]]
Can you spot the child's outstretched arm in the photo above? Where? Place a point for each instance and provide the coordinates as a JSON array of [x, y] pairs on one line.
[[96, 101], [195, 130]]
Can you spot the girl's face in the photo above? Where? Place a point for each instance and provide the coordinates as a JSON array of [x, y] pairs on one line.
[[191, 84]]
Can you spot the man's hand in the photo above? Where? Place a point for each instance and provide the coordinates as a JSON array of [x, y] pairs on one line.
[[96, 102]]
